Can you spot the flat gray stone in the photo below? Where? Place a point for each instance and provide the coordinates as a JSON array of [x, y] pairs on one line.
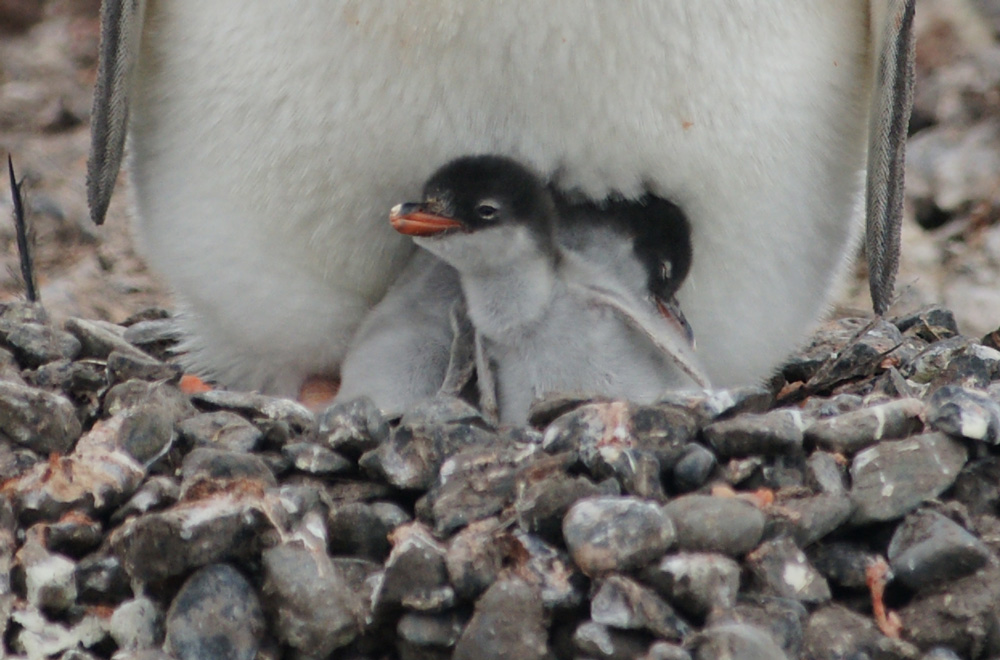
[[724, 525]]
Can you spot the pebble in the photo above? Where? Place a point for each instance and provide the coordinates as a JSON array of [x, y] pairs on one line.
[[312, 605], [312, 458], [430, 632], [736, 642], [361, 529], [964, 413], [101, 580], [723, 525], [35, 344], [352, 427], [215, 470], [666, 651], [508, 622], [50, 579], [601, 642], [825, 473], [783, 619], [137, 624], [696, 582], [853, 431], [127, 366], [625, 604], [221, 430], [41, 421], [75, 534], [779, 568], [929, 549], [835, 632], [606, 534], [809, 519], [294, 415], [545, 492], [475, 557], [473, 484], [215, 616], [694, 468], [893, 478], [775, 432], [416, 574]]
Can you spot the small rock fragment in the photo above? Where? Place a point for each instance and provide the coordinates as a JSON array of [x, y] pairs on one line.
[[137, 624], [352, 427], [606, 534], [622, 603], [694, 468], [775, 432], [221, 430], [696, 582], [41, 421], [781, 569], [416, 574], [893, 478], [311, 458], [215, 615], [359, 529], [475, 557], [296, 416], [508, 622], [601, 642], [853, 431], [313, 607], [725, 525], [964, 413], [929, 549], [736, 642]]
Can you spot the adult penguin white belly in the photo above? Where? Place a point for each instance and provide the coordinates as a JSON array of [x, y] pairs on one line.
[[268, 141]]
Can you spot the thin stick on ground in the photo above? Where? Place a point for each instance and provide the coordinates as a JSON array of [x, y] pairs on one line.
[[24, 247]]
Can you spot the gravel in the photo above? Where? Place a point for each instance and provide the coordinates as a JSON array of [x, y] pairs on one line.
[[142, 522]]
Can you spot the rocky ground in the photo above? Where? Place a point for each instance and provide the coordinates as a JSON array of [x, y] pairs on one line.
[[849, 509]]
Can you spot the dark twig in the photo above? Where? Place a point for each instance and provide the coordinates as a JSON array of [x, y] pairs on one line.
[[23, 239]]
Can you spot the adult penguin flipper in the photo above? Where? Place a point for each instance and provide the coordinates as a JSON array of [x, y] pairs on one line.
[[121, 27], [889, 116]]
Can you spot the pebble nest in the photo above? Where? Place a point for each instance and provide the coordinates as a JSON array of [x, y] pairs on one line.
[[848, 509]]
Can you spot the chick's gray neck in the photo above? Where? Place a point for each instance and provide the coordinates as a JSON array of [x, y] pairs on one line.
[[503, 303]]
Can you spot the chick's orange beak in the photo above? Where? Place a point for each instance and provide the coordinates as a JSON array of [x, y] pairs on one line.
[[412, 220]]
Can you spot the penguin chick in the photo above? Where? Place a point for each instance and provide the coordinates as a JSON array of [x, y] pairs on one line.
[[547, 319]]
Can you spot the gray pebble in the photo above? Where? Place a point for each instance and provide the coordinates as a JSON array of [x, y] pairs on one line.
[[964, 413], [623, 603], [781, 569], [960, 615], [310, 600], [601, 642], [442, 410], [929, 549], [34, 344], [136, 393], [694, 468], [809, 519], [50, 579], [775, 432], [508, 622], [696, 582], [154, 494], [147, 432], [932, 323], [561, 585], [835, 632], [545, 492], [434, 631], [783, 619], [312, 458], [221, 430], [725, 525], [215, 616], [416, 575], [853, 431], [126, 366], [137, 624], [666, 651], [606, 534], [475, 557], [213, 470], [825, 473], [352, 427], [736, 642], [296, 416], [413, 455], [98, 339], [929, 363], [893, 478], [74, 535], [101, 579], [862, 356], [155, 336], [473, 484], [191, 534], [41, 421], [360, 529], [843, 563]]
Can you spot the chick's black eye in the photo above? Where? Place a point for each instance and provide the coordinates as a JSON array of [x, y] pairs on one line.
[[486, 211]]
